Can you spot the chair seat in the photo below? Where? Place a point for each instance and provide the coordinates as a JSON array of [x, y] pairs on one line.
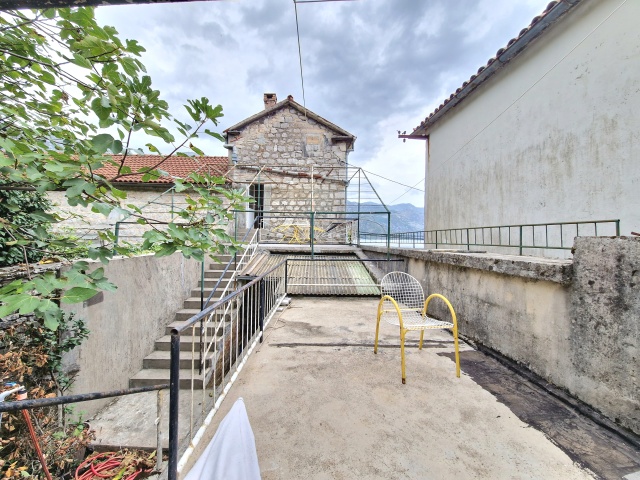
[[413, 320]]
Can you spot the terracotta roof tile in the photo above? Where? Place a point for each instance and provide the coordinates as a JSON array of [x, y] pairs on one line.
[[175, 166]]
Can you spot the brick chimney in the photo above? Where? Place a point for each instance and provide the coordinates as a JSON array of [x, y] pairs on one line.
[[270, 99]]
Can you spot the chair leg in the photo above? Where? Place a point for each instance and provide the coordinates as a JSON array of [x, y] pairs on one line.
[[455, 343], [404, 375], [421, 338], [375, 345]]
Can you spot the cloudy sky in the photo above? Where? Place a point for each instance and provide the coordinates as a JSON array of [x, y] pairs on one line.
[[371, 66]]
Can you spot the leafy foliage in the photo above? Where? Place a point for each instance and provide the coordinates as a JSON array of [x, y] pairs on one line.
[[23, 209], [73, 93], [32, 356]]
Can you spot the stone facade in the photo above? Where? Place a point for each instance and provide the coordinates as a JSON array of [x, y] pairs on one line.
[[299, 160]]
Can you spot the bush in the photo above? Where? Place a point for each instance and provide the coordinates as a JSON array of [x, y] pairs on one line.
[[20, 209]]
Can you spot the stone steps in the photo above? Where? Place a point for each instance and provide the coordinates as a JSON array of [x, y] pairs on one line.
[[155, 367], [161, 359], [154, 376]]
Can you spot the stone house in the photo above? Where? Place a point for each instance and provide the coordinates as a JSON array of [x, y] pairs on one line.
[[547, 131], [295, 162], [154, 196]]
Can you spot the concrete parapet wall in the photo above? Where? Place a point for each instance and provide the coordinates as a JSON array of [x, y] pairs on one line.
[[604, 346], [576, 323], [125, 324]]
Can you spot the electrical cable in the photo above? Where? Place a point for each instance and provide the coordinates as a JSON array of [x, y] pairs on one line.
[[411, 188], [304, 101], [378, 175], [295, 7]]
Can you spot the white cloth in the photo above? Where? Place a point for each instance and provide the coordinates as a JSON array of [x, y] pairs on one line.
[[231, 454]]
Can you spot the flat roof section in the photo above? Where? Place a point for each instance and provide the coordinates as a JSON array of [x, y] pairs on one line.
[[320, 275], [323, 406]]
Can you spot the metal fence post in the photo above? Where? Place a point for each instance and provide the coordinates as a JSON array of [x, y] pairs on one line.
[[174, 399], [312, 232], [117, 235], [520, 239], [286, 275], [159, 431], [202, 285], [261, 306], [388, 235]]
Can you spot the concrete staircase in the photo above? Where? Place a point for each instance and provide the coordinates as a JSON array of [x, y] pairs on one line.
[[155, 367]]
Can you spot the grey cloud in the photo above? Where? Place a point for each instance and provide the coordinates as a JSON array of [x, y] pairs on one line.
[[364, 61]]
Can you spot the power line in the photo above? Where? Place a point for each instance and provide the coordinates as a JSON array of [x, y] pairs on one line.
[[304, 101], [411, 188], [394, 181], [380, 176], [295, 7]]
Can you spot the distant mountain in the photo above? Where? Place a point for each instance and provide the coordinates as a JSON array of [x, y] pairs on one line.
[[405, 217]]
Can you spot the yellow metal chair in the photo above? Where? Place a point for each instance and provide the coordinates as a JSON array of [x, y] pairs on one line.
[[403, 304]]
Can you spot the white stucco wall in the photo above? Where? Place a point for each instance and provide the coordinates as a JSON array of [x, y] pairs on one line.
[[552, 137]]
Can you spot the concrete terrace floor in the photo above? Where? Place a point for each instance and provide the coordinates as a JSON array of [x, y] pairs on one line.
[[323, 406]]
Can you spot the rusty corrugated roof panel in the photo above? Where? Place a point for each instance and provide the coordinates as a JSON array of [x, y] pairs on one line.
[[324, 275]]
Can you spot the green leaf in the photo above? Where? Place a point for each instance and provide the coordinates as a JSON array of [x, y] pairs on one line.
[[165, 250], [196, 149], [48, 77], [52, 319], [119, 194], [99, 109], [104, 284], [81, 61], [103, 208], [103, 254], [21, 302], [101, 143], [116, 147], [78, 294], [129, 66]]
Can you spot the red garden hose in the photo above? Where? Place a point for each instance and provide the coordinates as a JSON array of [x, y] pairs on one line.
[[106, 468]]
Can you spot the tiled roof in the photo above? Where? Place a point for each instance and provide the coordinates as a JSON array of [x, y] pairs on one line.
[[515, 46], [175, 166], [290, 102]]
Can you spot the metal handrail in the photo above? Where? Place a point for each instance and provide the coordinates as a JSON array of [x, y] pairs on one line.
[[442, 237], [28, 404], [81, 397], [174, 381], [203, 303], [223, 300]]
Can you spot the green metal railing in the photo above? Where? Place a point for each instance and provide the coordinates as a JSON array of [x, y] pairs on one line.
[[552, 236], [312, 228]]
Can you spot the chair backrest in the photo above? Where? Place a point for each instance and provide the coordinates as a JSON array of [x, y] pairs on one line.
[[403, 288]]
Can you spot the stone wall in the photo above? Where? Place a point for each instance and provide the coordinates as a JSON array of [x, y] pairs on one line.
[[576, 323], [301, 167]]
